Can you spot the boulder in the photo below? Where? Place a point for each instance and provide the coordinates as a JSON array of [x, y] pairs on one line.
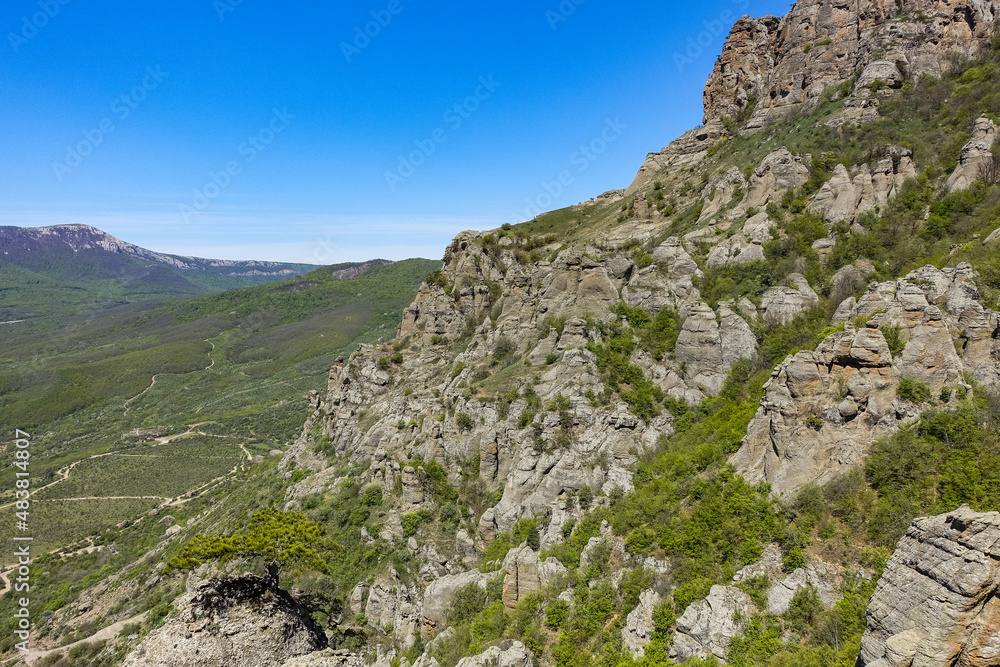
[[639, 626], [707, 626], [231, 623], [938, 601]]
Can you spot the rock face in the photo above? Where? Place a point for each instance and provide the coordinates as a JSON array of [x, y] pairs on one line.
[[938, 602], [771, 66], [707, 626], [780, 305], [822, 409], [639, 626], [845, 197], [976, 162], [328, 658], [507, 654], [236, 623], [525, 573]]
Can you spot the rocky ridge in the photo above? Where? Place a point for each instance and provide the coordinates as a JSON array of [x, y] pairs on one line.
[[494, 364], [937, 602], [771, 66]]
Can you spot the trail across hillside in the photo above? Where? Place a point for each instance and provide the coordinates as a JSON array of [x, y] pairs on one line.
[[153, 382]]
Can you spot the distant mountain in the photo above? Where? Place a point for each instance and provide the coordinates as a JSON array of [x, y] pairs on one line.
[[51, 269], [40, 246]]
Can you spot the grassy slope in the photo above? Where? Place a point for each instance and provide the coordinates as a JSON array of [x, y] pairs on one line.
[[239, 363]]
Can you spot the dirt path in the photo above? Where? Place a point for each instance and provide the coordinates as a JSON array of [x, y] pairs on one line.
[[109, 632], [153, 383]]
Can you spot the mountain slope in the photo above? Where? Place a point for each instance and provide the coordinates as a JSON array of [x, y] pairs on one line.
[[71, 257], [686, 421]]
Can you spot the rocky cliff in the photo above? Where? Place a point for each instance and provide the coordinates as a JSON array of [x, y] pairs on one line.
[[773, 66], [938, 602], [544, 361]]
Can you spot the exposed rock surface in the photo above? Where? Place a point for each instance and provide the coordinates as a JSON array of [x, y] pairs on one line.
[[639, 626], [707, 626], [439, 593], [822, 409], [938, 602], [328, 658], [236, 623], [976, 161], [780, 305], [526, 573], [771, 66], [845, 197], [507, 654]]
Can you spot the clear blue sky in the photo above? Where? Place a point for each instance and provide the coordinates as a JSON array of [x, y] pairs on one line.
[[116, 113]]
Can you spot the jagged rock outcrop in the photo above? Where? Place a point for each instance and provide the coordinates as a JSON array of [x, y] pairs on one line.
[[822, 409], [707, 626], [772, 66], [690, 148], [777, 173], [230, 623], [722, 192], [328, 658], [526, 573], [782, 304], [938, 601], [391, 604], [507, 654], [439, 593], [977, 160], [844, 197], [744, 246], [639, 625]]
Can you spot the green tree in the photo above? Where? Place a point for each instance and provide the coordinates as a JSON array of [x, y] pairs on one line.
[[280, 539]]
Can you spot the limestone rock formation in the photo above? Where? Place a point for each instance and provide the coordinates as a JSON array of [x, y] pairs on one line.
[[780, 305], [328, 658], [822, 409], [393, 604], [507, 654], [438, 596], [938, 602], [526, 573], [770, 66], [707, 626], [232, 623], [639, 626], [844, 197], [977, 160]]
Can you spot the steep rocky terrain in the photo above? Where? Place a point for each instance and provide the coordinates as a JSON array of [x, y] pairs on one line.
[[937, 602], [676, 423]]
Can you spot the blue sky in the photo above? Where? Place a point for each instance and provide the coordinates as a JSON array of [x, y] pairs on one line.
[[326, 132]]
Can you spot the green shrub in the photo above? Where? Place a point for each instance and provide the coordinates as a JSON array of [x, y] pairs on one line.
[[463, 420], [411, 522], [893, 338], [914, 391], [794, 559]]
